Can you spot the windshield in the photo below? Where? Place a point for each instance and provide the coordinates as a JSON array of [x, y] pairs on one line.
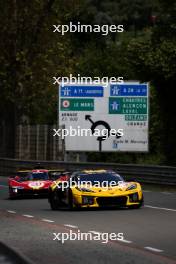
[[99, 177], [35, 176]]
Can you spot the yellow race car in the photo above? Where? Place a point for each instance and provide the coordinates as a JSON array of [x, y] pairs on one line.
[[94, 188]]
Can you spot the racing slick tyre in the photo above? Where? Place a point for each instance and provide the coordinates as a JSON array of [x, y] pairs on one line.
[[137, 206], [57, 203], [70, 201], [11, 196], [54, 200]]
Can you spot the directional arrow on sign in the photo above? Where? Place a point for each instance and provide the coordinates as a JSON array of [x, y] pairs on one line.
[[96, 124], [88, 117]]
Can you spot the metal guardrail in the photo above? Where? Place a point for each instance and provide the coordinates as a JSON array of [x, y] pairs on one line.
[[143, 173]]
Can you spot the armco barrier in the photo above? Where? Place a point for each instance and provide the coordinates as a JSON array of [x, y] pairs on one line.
[[142, 173]]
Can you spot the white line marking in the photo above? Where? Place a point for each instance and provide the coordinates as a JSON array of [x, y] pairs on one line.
[[156, 192], [153, 249], [125, 241], [30, 216], [94, 232], [47, 220], [4, 186], [160, 208], [11, 212], [72, 226]]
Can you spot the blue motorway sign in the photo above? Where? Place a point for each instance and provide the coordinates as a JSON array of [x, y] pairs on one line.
[[81, 91], [128, 90]]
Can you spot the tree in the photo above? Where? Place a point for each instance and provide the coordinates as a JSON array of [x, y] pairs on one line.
[[155, 60]]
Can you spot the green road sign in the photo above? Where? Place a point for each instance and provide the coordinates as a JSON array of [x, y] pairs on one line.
[[77, 104], [128, 105], [136, 117]]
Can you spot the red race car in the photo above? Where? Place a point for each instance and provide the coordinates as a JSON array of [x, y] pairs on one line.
[[32, 182]]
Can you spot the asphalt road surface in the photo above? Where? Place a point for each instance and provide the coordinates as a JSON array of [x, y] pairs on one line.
[[28, 226]]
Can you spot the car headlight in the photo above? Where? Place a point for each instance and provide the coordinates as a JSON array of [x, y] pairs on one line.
[[17, 187], [132, 187], [83, 189]]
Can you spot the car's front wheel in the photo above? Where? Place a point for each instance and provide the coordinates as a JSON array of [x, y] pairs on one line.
[[57, 200], [11, 195], [54, 200]]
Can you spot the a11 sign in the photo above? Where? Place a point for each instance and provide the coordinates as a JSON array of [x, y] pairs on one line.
[[116, 106]]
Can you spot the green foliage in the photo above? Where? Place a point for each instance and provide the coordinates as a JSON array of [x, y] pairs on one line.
[[155, 61], [31, 54]]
